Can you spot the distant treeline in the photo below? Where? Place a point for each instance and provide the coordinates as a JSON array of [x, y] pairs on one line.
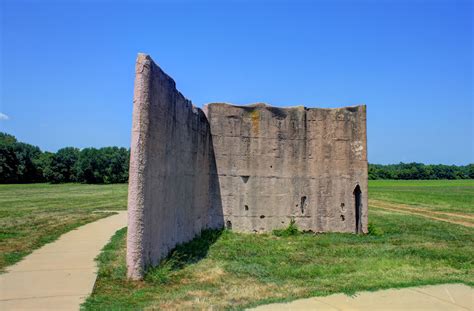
[[420, 171], [25, 163]]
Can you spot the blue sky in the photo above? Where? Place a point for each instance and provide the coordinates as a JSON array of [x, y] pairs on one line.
[[67, 67]]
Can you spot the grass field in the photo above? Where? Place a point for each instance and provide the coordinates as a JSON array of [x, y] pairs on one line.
[[435, 195], [424, 229], [35, 214], [228, 270], [450, 201]]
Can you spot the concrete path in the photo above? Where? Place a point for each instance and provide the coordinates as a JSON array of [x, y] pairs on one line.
[[435, 297], [60, 275]]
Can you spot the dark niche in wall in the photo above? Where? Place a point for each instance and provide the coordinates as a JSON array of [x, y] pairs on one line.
[[303, 204]]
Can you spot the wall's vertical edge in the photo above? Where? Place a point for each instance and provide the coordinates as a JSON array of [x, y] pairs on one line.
[[138, 163], [170, 182], [365, 172]]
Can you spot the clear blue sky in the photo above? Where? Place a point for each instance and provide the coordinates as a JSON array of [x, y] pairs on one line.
[[67, 67]]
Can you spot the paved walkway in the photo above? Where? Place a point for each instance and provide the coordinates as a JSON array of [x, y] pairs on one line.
[[435, 297], [60, 275]]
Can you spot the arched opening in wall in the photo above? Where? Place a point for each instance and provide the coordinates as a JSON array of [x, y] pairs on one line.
[[303, 204], [358, 209]]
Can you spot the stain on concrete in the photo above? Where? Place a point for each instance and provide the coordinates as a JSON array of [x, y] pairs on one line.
[[303, 163]]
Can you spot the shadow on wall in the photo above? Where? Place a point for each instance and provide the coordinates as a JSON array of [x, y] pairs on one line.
[[197, 249], [216, 214], [174, 191]]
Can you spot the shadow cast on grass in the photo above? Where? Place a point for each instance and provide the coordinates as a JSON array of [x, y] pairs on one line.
[[183, 255]]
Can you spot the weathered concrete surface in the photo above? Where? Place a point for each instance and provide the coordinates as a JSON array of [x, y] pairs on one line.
[[435, 297], [275, 164], [252, 168], [169, 198], [60, 275]]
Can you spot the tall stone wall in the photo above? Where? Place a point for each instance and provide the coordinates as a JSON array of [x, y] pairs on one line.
[[250, 168], [170, 180], [278, 164]]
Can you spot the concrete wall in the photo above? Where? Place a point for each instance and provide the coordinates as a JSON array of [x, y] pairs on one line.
[[251, 168], [275, 164], [171, 188]]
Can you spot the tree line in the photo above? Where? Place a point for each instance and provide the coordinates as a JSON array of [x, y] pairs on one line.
[[420, 171], [24, 163]]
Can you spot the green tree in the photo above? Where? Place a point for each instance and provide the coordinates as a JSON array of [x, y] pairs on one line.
[[89, 166], [62, 167], [116, 164], [7, 139], [8, 160], [27, 169], [106, 165], [8, 164], [18, 161], [43, 163]]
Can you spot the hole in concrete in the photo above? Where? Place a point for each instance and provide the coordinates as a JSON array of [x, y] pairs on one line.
[[228, 224], [303, 201], [271, 166], [342, 206], [245, 178], [246, 207], [343, 218], [262, 216]]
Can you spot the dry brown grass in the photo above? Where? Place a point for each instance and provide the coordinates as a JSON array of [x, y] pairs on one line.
[[454, 218]]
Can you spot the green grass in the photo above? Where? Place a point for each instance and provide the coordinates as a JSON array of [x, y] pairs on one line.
[[35, 214], [436, 195], [228, 270]]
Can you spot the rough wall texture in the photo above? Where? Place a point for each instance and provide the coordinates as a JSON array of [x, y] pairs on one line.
[[250, 168], [169, 198], [278, 164]]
